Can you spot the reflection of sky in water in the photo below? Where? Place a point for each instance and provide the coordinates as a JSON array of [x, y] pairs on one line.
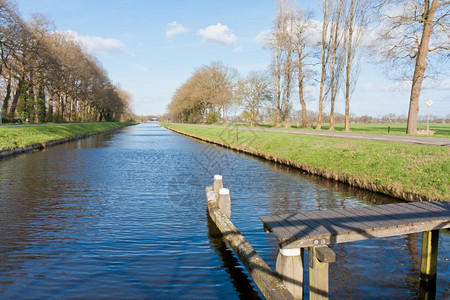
[[124, 216]]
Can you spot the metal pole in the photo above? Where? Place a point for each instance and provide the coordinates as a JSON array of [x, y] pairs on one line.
[[428, 119]]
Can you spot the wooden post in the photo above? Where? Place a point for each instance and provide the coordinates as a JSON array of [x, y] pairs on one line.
[[319, 259], [217, 184], [224, 202], [429, 257], [289, 267]]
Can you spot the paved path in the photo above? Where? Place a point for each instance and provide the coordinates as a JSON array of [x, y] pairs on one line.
[[420, 140]]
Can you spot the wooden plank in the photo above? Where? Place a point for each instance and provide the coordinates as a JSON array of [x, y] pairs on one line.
[[267, 281], [409, 214], [434, 208], [421, 214], [381, 216], [399, 218], [291, 231], [331, 221], [369, 234], [359, 223], [312, 221]]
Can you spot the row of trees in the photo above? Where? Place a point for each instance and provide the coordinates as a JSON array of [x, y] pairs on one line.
[[47, 76], [325, 53], [406, 32], [213, 91]]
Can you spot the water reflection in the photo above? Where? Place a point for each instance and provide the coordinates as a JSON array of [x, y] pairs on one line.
[[122, 215], [240, 280]]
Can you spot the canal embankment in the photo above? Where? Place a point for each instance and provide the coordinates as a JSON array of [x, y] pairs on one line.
[[21, 139], [405, 171]]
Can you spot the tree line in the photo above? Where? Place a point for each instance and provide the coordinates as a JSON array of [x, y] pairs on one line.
[[409, 34], [46, 76]]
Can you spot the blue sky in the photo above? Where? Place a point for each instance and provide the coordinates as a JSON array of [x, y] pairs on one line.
[[151, 47]]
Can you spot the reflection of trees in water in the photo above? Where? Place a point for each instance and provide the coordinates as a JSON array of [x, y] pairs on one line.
[[239, 279]]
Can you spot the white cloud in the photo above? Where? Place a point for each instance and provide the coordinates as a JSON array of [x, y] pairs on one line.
[[443, 84], [218, 33], [262, 37], [95, 44], [367, 87], [174, 28]]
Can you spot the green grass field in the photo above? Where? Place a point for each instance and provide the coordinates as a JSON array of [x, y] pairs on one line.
[[20, 136], [441, 130], [412, 172]]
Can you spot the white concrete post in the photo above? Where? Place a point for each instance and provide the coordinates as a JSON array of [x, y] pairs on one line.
[[289, 267], [225, 202], [217, 184]]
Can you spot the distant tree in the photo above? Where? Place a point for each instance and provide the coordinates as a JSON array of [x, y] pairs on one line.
[[253, 90], [205, 96]]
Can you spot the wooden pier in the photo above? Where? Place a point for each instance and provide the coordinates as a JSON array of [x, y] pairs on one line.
[[316, 230]]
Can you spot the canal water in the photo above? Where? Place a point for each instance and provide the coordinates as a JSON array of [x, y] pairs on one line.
[[123, 215]]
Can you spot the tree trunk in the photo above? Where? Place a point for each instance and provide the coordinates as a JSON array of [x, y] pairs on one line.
[[349, 66], [288, 89], [322, 59], [300, 92], [278, 116], [12, 110], [7, 97], [335, 67], [420, 66]]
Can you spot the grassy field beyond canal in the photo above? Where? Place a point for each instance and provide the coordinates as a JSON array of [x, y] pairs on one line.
[[12, 137], [410, 172]]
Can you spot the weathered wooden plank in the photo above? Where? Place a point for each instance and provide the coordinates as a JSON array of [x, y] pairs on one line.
[[402, 215], [267, 281], [386, 219], [331, 221], [434, 207], [408, 214], [359, 223], [311, 221], [310, 241], [290, 230]]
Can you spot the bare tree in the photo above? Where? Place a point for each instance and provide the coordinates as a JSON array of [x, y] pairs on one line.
[[336, 58], [326, 12], [253, 91], [301, 34], [413, 29], [357, 18]]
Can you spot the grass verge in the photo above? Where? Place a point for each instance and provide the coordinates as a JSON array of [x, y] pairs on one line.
[[409, 172], [12, 137]]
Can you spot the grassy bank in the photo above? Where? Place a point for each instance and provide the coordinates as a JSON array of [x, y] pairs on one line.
[[410, 172], [440, 130], [20, 136]]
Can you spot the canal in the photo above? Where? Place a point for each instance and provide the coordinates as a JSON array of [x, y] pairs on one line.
[[123, 215]]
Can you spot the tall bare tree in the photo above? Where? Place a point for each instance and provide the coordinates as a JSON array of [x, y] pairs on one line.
[[414, 29], [335, 52], [301, 33], [357, 16], [324, 54]]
